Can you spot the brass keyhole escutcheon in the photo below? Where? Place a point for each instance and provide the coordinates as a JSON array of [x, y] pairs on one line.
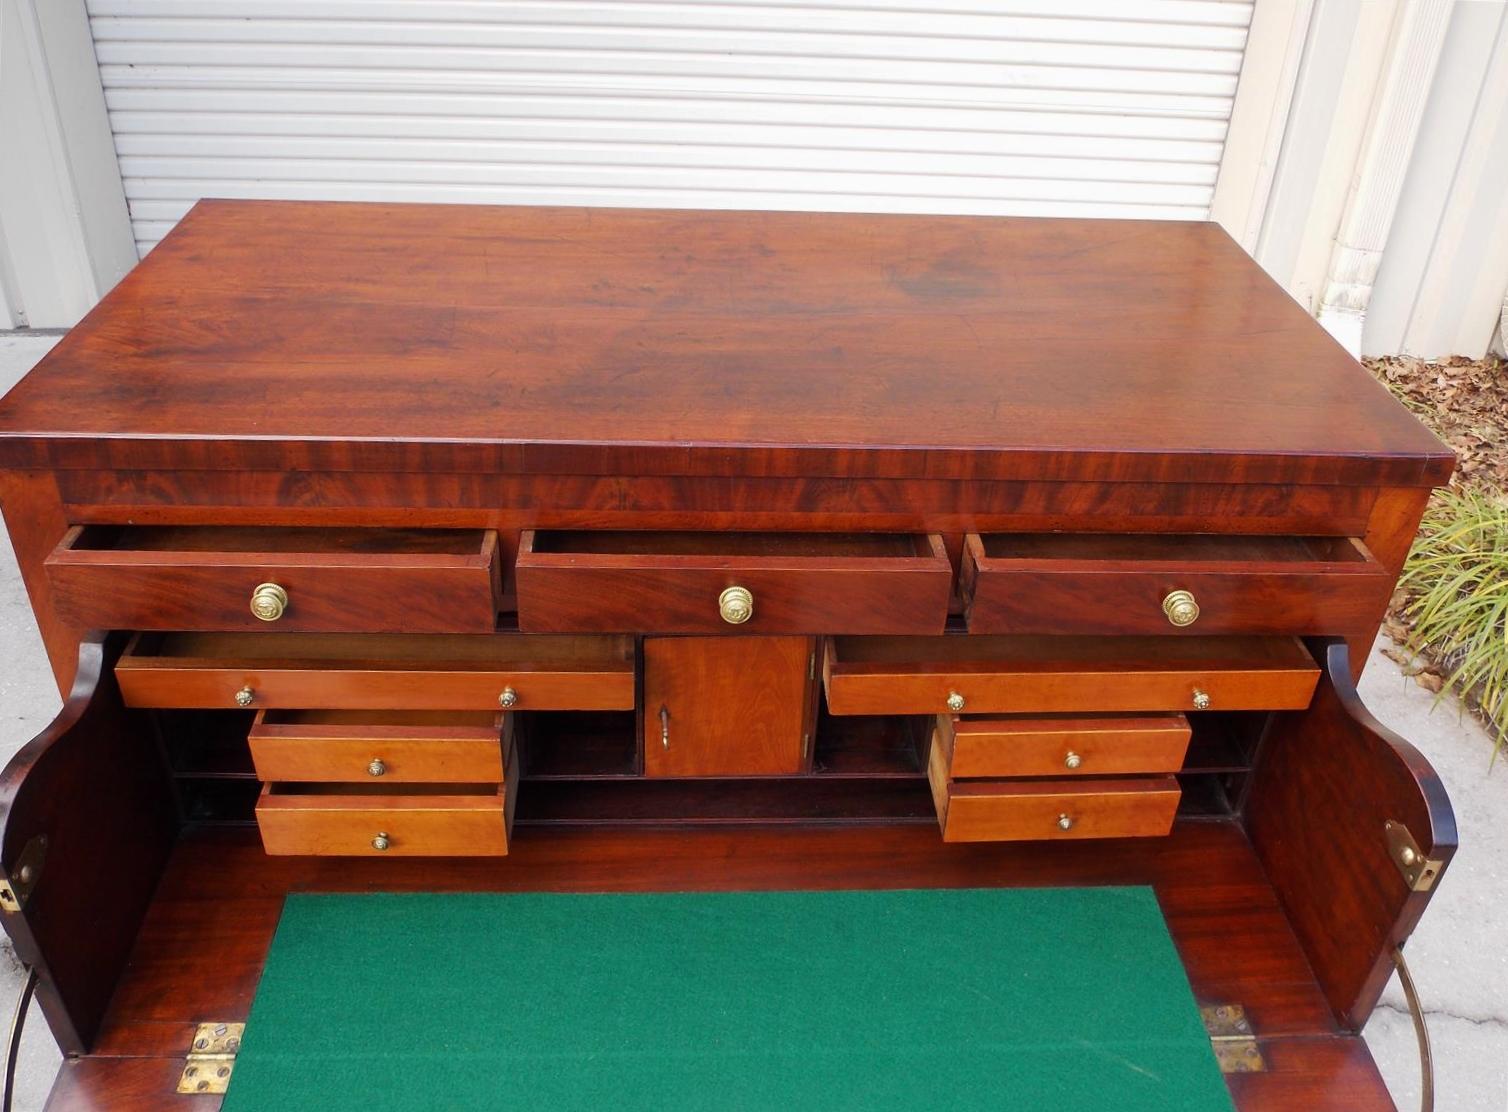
[[1181, 608], [736, 605], [268, 602]]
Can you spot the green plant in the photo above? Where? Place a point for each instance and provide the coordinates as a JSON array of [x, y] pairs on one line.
[[1456, 586]]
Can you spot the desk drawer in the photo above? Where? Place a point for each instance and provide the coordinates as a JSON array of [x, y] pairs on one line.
[[1050, 810], [1143, 583], [694, 582], [1065, 675], [246, 578], [326, 671], [1061, 745], [353, 820], [391, 747]]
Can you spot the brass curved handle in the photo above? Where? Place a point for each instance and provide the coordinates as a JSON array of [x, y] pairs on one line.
[[377, 768], [1181, 608], [268, 602], [245, 696], [380, 842], [955, 702], [736, 605]]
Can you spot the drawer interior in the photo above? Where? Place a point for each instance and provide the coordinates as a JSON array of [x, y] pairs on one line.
[[845, 546], [121, 540], [1333, 553], [379, 651]]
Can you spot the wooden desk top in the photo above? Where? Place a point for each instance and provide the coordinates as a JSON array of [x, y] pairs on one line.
[[291, 335]]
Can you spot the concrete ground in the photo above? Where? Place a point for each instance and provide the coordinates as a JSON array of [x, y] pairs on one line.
[[1459, 954]]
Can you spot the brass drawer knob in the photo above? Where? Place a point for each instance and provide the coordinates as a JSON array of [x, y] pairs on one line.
[[1073, 760], [380, 842], [1065, 823], [736, 605], [508, 698], [1181, 608], [269, 601], [245, 696], [1201, 699], [377, 767], [955, 702]]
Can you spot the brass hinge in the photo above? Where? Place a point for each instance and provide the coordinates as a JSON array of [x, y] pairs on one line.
[[211, 1058], [1418, 870], [19, 881], [1234, 1041]]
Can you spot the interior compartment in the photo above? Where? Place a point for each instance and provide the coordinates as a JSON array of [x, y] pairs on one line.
[[1178, 548], [847, 546], [281, 539]]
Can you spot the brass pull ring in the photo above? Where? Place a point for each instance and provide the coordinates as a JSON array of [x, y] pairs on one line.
[[736, 605], [268, 602], [1181, 608]]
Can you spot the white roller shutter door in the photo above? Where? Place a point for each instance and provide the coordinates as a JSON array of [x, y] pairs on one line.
[[1033, 107]]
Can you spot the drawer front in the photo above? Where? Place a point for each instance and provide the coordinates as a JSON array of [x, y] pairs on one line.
[[361, 825], [340, 580], [1105, 745], [353, 673], [386, 747], [747, 583], [1048, 810], [1146, 584], [1009, 675]]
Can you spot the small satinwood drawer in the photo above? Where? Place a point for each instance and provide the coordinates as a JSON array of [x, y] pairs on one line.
[[390, 747], [361, 820], [262, 578], [1043, 810], [1065, 675], [1148, 583], [1061, 745], [732, 582], [373, 671]]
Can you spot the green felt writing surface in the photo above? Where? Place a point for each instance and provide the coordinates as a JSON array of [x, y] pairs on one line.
[[1059, 999]]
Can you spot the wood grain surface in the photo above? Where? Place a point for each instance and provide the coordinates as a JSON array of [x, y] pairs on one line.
[[453, 338]]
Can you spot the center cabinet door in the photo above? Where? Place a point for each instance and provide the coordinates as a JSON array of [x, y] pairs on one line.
[[727, 706]]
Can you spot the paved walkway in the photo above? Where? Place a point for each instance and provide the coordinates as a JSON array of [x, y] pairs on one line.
[[1459, 954]]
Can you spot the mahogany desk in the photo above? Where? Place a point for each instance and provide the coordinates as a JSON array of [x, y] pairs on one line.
[[420, 547]]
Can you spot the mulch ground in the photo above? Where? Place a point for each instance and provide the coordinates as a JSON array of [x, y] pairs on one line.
[[1465, 403]]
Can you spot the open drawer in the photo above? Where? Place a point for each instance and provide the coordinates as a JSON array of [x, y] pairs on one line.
[[288, 578], [329, 671], [399, 747], [1066, 583], [1044, 810], [1048, 675], [726, 582], [1061, 745], [361, 820]]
